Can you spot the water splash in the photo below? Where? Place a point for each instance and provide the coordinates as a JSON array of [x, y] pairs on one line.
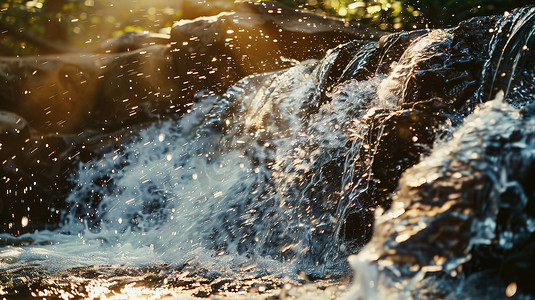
[[394, 89], [253, 179], [511, 48]]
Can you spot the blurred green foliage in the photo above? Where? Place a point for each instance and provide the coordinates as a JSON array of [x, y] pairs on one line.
[[80, 23], [85, 23], [395, 15]]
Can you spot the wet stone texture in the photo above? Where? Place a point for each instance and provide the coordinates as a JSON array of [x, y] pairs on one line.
[[432, 76], [157, 281], [468, 207]]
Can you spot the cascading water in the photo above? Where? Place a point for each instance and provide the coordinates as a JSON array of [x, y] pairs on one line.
[[246, 179], [510, 50], [256, 179], [284, 173]]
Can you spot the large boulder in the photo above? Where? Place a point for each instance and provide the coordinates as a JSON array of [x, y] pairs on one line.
[[53, 93], [68, 94], [214, 52]]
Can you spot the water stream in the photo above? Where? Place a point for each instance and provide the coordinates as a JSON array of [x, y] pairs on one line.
[[284, 174]]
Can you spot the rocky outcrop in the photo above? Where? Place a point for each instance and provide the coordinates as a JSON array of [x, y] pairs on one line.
[[433, 85], [467, 207], [214, 52]]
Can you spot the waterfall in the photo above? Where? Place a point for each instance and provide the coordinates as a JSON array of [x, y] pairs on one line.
[[245, 174], [510, 49], [298, 169]]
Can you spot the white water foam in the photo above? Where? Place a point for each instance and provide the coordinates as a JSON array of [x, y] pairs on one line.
[[233, 201]]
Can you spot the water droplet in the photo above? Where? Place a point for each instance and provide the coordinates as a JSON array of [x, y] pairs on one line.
[[510, 291], [24, 221]]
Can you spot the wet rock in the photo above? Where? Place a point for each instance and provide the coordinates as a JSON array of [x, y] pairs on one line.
[[215, 52], [53, 93], [394, 45], [132, 40], [510, 67], [468, 203], [437, 64], [394, 141], [433, 78]]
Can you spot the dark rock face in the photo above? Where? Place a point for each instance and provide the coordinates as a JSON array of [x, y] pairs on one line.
[[468, 205], [440, 64], [432, 76], [438, 214], [510, 67], [395, 142]]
